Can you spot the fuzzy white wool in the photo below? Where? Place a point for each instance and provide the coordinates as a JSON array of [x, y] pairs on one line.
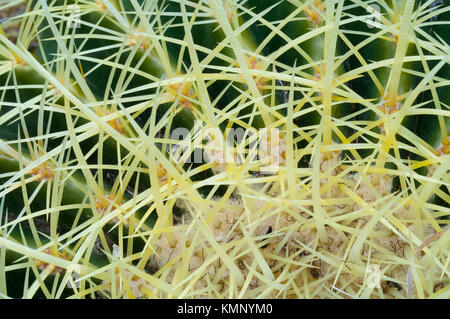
[[267, 223]]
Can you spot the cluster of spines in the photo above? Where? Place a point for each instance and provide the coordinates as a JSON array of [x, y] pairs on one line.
[[184, 95]]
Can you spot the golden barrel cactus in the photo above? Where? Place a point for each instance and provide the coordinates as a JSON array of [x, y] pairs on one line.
[[225, 149]]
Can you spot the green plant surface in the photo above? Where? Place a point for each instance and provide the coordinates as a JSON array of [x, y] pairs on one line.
[[122, 173]]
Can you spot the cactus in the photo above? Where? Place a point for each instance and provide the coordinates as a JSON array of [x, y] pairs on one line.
[[225, 149]]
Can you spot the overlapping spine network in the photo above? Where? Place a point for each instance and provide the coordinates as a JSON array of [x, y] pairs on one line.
[[224, 149]]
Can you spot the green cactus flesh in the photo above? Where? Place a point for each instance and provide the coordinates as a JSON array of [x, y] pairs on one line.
[[224, 149]]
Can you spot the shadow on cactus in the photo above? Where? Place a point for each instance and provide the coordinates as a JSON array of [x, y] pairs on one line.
[[225, 149]]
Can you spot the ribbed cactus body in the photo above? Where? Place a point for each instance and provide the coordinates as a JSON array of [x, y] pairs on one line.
[[118, 163]]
